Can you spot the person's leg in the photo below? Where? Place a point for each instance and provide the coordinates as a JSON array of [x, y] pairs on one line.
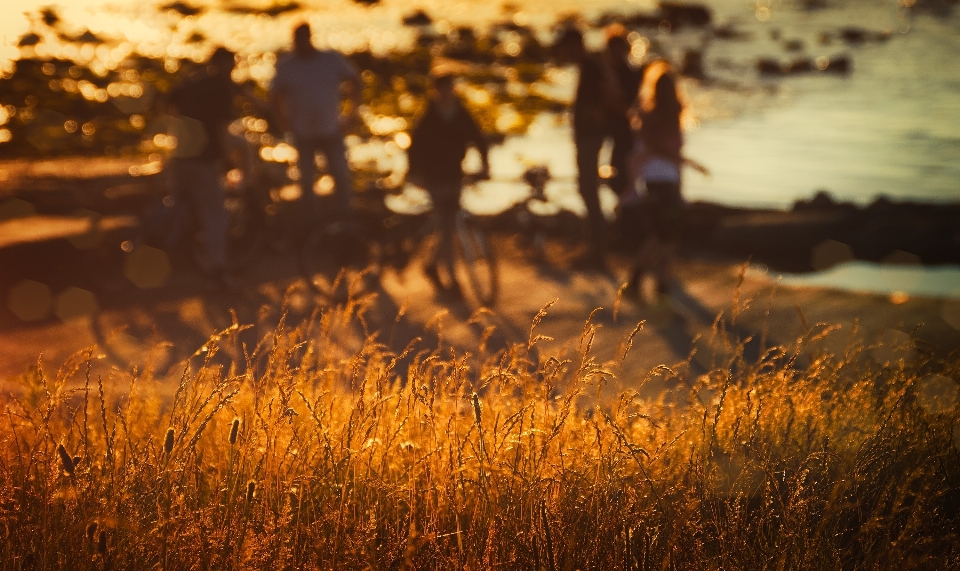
[[620, 156], [306, 164], [168, 221], [446, 205], [336, 152], [207, 195], [588, 182], [668, 227]]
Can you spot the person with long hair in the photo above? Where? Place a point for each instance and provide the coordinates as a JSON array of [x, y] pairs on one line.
[[657, 162]]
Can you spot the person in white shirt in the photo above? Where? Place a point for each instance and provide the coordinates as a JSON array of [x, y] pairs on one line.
[[306, 92]]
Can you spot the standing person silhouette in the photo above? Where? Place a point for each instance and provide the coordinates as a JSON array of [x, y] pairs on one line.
[[306, 92], [628, 81], [438, 146], [657, 161], [597, 93], [202, 107]]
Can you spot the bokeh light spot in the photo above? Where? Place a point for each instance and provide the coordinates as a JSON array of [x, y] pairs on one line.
[[75, 303], [895, 347], [30, 300], [15, 208], [899, 297], [324, 186], [950, 312], [147, 267], [402, 140], [829, 253], [938, 394], [92, 234]]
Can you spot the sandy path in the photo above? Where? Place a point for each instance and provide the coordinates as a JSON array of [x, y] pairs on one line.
[[185, 312]]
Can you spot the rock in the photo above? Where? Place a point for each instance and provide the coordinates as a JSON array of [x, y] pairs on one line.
[[802, 65], [839, 64], [730, 32], [182, 8], [272, 10], [793, 45], [643, 20], [693, 64], [30, 39], [681, 14], [418, 18], [87, 37], [822, 199], [853, 35], [49, 16], [769, 66]]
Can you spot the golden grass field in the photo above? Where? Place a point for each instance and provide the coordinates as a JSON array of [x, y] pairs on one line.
[[321, 453]]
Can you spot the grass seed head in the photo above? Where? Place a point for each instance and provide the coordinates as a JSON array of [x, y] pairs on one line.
[[234, 430], [251, 488], [65, 460], [102, 543], [476, 408], [91, 531], [168, 441]]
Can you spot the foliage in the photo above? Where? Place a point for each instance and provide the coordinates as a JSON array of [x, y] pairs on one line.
[[315, 453]]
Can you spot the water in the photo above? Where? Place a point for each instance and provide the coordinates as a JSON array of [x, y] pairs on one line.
[[892, 127], [941, 282]]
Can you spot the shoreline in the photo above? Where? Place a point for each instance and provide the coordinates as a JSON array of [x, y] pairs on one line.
[[813, 235]]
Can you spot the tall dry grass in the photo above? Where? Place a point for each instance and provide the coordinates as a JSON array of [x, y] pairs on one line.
[[325, 460]]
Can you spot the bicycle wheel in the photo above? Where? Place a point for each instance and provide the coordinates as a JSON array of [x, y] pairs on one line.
[[333, 261], [132, 340], [244, 235], [161, 337], [476, 263]]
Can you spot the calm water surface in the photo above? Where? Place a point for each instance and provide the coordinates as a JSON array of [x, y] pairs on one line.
[[891, 127]]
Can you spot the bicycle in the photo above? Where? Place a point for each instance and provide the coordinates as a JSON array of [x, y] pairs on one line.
[[341, 258], [165, 237], [535, 214]]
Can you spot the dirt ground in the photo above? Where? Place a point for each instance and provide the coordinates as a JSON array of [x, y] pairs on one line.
[[130, 321]]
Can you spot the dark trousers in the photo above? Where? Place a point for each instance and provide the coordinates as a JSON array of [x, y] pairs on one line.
[[620, 157], [196, 184], [335, 152], [446, 204], [588, 183]]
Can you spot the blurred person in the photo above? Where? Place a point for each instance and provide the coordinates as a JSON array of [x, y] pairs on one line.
[[597, 94], [628, 81], [656, 216], [306, 95], [202, 107], [439, 143]]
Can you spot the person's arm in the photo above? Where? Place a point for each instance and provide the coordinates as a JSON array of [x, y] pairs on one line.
[[695, 166], [416, 151], [352, 87], [479, 141]]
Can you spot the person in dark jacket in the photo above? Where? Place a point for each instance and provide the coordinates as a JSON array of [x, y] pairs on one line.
[[202, 106], [439, 144]]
